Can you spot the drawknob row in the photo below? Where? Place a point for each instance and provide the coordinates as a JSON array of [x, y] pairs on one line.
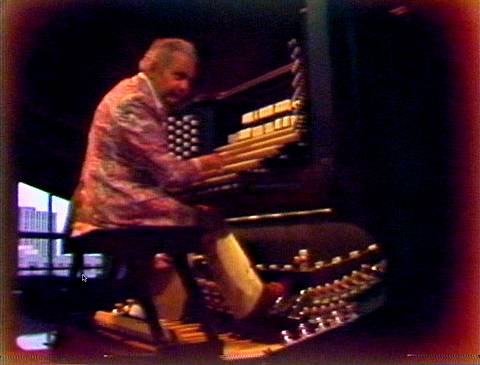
[[183, 136], [212, 295], [209, 289], [299, 81], [335, 295], [329, 296], [304, 260], [320, 324]]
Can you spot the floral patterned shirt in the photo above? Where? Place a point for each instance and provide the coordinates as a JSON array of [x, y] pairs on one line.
[[127, 166]]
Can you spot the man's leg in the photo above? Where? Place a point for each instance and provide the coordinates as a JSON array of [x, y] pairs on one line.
[[169, 293], [244, 291]]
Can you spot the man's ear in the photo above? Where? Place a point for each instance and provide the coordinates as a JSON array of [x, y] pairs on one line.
[[156, 68]]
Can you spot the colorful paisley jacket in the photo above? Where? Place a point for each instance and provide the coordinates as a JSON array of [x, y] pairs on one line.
[[127, 166]]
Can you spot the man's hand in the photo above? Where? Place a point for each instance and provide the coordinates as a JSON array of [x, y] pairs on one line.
[[211, 162], [211, 165]]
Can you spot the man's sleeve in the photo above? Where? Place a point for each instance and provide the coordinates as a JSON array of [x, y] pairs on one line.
[[142, 141]]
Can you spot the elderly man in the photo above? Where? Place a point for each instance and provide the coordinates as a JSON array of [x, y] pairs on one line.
[[128, 171]]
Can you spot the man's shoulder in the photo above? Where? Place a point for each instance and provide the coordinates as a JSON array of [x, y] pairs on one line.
[[131, 91]]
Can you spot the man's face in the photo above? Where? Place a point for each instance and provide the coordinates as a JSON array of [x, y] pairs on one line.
[[173, 82]]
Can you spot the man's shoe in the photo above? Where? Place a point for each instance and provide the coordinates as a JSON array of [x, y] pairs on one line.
[[271, 292]]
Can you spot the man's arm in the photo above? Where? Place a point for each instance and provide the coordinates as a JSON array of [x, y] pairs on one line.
[[141, 138]]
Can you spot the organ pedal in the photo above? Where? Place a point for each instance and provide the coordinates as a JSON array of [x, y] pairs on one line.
[[346, 288]]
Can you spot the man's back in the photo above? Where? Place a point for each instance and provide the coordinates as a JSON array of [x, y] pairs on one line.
[[127, 164]]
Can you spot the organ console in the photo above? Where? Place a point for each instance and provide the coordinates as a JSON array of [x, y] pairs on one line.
[[271, 151], [273, 191], [357, 126]]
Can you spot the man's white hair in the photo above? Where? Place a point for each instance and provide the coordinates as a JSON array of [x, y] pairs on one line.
[[161, 50]]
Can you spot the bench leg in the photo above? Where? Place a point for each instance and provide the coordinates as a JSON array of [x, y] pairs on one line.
[[77, 264], [139, 282], [195, 301]]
